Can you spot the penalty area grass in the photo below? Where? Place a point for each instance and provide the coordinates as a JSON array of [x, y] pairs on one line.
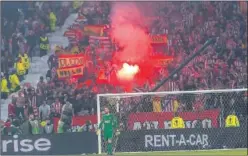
[[231, 152]]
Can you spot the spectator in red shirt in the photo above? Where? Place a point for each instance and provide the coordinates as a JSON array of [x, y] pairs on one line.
[[12, 107]]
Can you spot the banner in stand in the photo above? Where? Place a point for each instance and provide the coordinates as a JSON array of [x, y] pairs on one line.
[[70, 72], [206, 119], [71, 60], [158, 39]]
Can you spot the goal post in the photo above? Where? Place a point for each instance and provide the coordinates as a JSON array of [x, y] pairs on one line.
[[150, 112]]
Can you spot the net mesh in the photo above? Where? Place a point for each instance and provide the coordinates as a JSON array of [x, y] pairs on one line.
[[202, 110]]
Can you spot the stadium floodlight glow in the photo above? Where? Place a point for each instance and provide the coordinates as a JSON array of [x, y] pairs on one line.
[[117, 104]]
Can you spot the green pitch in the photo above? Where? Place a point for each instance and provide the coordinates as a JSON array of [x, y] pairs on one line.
[[231, 152]]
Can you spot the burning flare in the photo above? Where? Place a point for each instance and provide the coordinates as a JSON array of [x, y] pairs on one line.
[[127, 72]]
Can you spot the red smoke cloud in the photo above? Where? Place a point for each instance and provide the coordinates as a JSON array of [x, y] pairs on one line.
[[126, 21], [129, 21]]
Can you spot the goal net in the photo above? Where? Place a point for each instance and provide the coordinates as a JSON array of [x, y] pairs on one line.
[[144, 120]]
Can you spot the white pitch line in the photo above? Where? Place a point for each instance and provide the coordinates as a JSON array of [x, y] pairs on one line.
[[188, 150]]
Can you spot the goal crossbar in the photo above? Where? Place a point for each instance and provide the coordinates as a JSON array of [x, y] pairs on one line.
[[173, 92]]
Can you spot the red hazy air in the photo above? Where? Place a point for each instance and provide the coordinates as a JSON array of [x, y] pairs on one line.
[[135, 64], [126, 19]]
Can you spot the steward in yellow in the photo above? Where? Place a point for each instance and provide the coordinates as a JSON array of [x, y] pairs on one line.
[[53, 20], [177, 122], [75, 5], [20, 69], [44, 45], [14, 82], [232, 121], [156, 103], [4, 87], [26, 61]]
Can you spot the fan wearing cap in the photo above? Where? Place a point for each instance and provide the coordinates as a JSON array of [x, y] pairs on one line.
[[4, 87]]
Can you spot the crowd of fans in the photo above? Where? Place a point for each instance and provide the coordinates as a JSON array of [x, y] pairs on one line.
[[23, 23], [188, 26], [223, 65]]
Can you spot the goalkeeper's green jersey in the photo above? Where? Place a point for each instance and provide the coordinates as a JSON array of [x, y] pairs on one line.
[[108, 123]]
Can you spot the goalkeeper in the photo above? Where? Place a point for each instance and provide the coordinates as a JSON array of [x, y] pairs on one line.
[[109, 126]]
